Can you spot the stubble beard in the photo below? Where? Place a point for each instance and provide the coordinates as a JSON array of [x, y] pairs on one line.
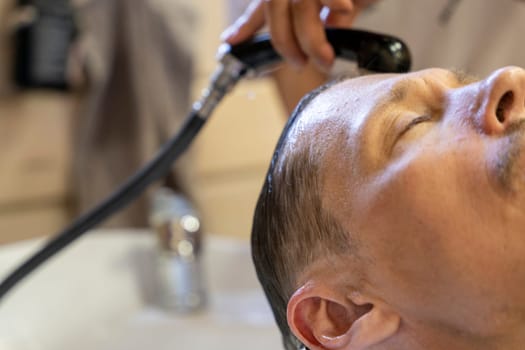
[[510, 169]]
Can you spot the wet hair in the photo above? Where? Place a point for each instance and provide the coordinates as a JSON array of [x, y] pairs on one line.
[[291, 229]]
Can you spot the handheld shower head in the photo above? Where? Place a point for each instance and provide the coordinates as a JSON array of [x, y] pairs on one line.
[[372, 51]]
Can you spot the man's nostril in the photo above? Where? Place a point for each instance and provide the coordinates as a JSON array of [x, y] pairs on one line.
[[504, 105]]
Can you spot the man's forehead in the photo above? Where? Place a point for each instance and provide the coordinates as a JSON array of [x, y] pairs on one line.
[[458, 76], [348, 114], [350, 97]]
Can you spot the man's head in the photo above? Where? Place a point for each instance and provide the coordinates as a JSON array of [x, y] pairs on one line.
[[393, 212]]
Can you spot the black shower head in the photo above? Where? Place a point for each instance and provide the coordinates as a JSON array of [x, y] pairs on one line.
[[372, 51]]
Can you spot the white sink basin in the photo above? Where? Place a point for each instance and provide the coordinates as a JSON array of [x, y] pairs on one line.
[[99, 294]]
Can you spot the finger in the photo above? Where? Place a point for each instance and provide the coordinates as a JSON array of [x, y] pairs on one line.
[[311, 34], [279, 20], [247, 25]]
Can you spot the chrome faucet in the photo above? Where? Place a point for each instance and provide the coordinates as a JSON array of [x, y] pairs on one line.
[[179, 236]]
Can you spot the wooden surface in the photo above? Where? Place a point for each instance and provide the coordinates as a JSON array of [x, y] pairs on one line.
[[34, 164]]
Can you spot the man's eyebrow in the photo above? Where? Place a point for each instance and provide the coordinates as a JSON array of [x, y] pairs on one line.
[[397, 94], [400, 90], [462, 77]]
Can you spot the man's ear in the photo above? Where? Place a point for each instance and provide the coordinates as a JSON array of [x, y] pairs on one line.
[[322, 318]]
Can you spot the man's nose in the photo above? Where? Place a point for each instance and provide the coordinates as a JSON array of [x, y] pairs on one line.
[[503, 100]]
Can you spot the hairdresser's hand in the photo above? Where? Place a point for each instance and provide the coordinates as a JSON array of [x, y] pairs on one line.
[[295, 26]]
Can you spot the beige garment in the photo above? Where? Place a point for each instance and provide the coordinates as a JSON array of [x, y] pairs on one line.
[[477, 36], [138, 62]]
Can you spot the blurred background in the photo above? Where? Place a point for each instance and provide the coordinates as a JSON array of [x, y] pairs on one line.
[[89, 89]]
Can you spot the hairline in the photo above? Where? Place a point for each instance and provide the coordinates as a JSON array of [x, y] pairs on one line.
[[267, 195]]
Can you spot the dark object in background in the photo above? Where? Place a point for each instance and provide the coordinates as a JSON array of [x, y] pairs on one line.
[[42, 42]]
